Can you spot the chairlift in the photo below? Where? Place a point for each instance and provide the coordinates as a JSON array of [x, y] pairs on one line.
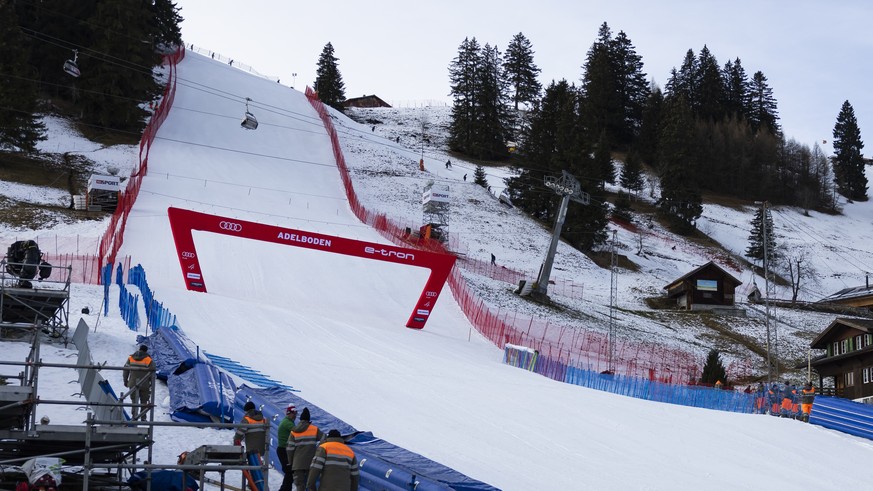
[[250, 122], [71, 67]]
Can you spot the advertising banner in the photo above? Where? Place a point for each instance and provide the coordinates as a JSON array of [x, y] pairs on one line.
[[183, 222]]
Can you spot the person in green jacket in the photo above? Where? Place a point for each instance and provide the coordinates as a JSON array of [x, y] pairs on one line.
[[285, 426]]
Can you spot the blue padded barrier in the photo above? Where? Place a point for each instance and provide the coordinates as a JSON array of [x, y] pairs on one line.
[[843, 415], [387, 466], [640, 388]]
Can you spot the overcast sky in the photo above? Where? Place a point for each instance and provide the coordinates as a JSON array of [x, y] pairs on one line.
[[815, 54]]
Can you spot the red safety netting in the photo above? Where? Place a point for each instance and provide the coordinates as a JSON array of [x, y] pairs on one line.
[[114, 234], [569, 345]]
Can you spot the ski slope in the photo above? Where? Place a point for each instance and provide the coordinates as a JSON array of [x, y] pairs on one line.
[[333, 326]]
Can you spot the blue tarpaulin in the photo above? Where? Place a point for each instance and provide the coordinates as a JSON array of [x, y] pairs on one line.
[[199, 391]]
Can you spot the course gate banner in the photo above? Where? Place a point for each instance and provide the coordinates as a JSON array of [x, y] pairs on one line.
[[183, 222]]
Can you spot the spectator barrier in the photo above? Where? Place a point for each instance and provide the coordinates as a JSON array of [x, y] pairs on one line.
[[128, 305], [156, 314], [640, 388]]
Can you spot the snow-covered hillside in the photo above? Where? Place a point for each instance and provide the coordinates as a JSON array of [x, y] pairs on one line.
[[332, 326]]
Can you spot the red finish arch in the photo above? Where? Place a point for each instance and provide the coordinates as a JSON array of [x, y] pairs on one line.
[[183, 222]]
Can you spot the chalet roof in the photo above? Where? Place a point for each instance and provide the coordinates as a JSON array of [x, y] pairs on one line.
[[848, 293], [355, 100], [682, 278], [865, 325]]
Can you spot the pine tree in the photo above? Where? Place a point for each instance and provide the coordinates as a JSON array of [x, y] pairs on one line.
[[736, 89], [328, 80], [521, 72], [762, 112], [647, 144], [479, 177], [713, 369], [481, 120], [633, 89], [632, 173], [602, 107], [848, 161], [19, 127], [603, 161], [51, 20], [762, 223], [683, 82], [167, 30], [493, 117], [549, 146], [464, 80], [710, 87], [680, 194], [119, 78]]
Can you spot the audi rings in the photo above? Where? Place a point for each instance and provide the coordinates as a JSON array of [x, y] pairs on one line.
[[187, 255], [230, 226]]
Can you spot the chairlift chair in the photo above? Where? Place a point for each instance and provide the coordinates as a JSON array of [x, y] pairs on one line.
[[250, 122], [71, 67]]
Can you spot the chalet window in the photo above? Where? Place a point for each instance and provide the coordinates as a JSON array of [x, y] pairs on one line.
[[844, 346], [850, 379], [868, 339], [836, 348], [866, 373], [858, 344]]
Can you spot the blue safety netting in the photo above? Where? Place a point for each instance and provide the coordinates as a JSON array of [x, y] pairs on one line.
[[843, 415], [199, 391], [384, 466]]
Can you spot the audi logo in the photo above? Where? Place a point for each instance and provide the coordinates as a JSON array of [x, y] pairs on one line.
[[230, 226], [188, 255]]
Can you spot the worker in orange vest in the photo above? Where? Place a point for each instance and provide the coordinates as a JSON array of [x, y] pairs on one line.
[[137, 375], [788, 395], [807, 394], [301, 448], [334, 465]]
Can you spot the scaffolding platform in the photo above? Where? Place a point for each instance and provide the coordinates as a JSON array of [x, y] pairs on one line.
[[16, 402], [104, 443], [45, 305]]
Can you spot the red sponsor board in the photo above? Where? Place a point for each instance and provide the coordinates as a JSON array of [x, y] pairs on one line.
[[183, 222]]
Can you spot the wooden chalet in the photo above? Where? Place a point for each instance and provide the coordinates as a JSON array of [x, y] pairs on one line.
[[365, 101], [708, 287], [857, 296], [849, 357]]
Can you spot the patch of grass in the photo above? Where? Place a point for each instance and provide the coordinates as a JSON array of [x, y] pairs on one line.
[[108, 137], [604, 260]]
